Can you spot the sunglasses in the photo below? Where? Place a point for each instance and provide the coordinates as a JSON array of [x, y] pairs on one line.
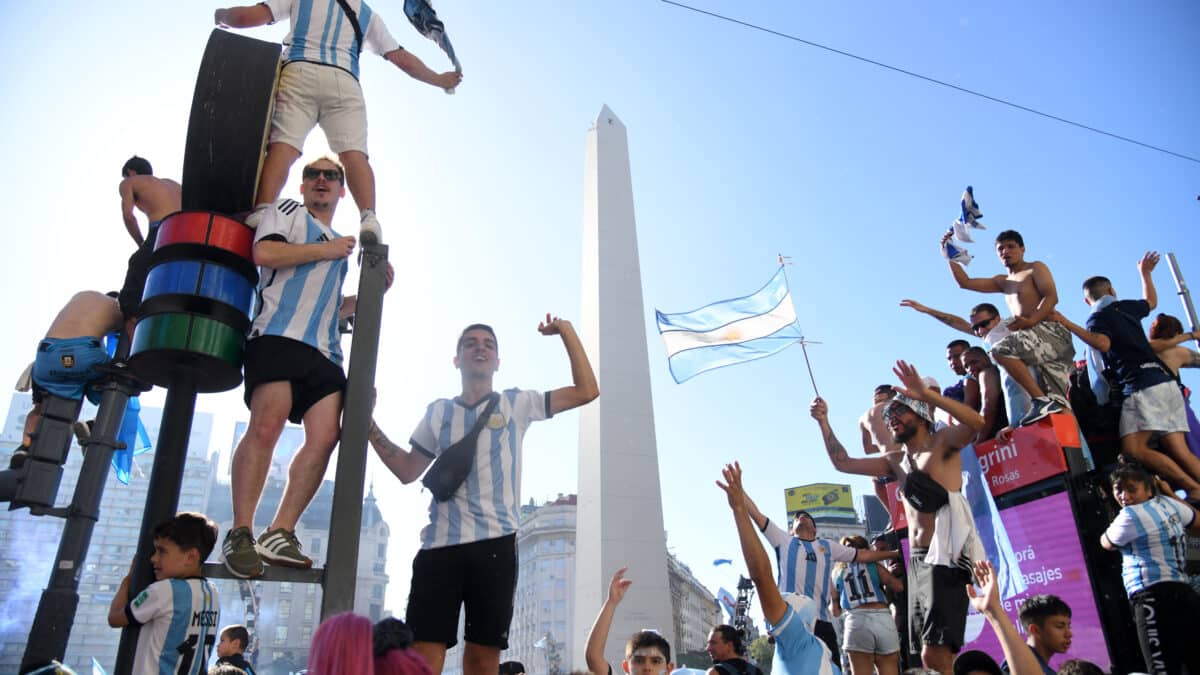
[[980, 325], [329, 174]]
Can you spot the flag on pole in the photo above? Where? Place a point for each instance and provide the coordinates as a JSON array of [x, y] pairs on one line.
[[730, 331], [727, 601], [422, 16]]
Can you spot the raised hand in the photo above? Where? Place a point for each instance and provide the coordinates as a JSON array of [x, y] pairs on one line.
[[987, 601], [552, 325], [913, 304], [732, 473], [618, 586], [819, 409], [1148, 262], [914, 387]]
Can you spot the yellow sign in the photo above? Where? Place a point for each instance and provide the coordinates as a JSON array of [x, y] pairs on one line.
[[821, 499]]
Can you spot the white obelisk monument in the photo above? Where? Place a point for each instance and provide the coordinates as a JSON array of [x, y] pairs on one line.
[[619, 519]]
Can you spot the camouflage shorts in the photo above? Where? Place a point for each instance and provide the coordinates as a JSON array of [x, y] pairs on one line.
[[1046, 345]]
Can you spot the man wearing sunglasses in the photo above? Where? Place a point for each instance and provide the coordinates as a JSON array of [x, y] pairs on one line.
[[318, 84], [985, 323], [293, 366]]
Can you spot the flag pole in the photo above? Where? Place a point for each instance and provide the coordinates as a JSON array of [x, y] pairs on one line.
[[784, 261]]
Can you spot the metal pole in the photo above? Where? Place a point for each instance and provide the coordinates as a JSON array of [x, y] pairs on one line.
[[1181, 287], [345, 518], [162, 494], [804, 348], [51, 628]]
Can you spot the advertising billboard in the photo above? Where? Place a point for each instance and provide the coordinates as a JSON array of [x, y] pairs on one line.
[[821, 500]]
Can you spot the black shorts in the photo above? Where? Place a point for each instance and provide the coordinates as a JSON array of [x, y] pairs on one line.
[[271, 358], [130, 297], [937, 601], [481, 575], [1164, 613]]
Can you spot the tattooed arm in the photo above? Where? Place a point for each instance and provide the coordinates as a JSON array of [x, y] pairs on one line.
[[408, 465], [842, 461], [956, 322]]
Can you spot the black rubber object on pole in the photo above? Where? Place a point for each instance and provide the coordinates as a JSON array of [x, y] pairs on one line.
[[227, 128]]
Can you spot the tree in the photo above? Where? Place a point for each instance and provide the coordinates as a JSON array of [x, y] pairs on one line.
[[762, 650]]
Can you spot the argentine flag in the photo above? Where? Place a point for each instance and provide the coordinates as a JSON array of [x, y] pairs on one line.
[[730, 331]]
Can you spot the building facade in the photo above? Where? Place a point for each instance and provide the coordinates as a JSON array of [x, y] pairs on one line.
[[29, 544], [694, 609]]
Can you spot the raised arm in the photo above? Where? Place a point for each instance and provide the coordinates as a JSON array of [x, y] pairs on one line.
[[842, 461], [977, 284], [972, 421], [584, 388], [1163, 344], [406, 465], [1097, 341], [127, 202], [1145, 267], [1021, 660], [956, 322], [247, 16], [758, 563], [757, 516], [415, 68], [598, 636]]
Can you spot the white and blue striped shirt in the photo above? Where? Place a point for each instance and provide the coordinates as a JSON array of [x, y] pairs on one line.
[[180, 619], [322, 33], [1152, 541], [797, 650], [805, 567], [300, 302], [486, 505], [858, 584]]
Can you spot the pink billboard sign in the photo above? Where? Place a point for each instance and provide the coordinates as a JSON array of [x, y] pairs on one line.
[[1047, 545]]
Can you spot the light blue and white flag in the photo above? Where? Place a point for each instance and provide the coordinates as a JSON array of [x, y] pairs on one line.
[[730, 331], [990, 527], [728, 602]]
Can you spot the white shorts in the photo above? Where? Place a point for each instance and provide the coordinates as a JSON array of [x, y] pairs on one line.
[[310, 94], [1158, 408], [872, 631]]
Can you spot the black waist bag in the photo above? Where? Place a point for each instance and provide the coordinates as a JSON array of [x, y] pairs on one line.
[[453, 466], [924, 493]]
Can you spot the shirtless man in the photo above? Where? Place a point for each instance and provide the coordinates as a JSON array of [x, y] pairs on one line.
[[1029, 291], [987, 375], [929, 469], [157, 198], [875, 436], [66, 356]]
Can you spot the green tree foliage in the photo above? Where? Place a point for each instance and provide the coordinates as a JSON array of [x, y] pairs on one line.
[[763, 652]]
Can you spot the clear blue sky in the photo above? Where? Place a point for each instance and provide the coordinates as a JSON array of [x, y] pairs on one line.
[[743, 145]]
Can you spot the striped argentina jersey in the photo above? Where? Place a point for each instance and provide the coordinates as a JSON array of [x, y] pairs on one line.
[[486, 505], [1152, 541], [322, 33], [180, 619], [805, 566], [797, 650], [300, 302], [858, 584]]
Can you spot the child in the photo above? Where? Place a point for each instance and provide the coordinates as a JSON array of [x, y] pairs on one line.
[[1149, 532], [180, 604], [646, 653], [231, 648], [1047, 620]]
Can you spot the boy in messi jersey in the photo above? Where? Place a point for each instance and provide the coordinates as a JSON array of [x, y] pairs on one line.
[[319, 85], [1150, 532], [468, 556], [293, 365], [179, 612], [805, 564], [791, 617]]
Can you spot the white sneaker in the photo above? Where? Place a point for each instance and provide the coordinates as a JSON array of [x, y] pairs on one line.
[[369, 224]]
